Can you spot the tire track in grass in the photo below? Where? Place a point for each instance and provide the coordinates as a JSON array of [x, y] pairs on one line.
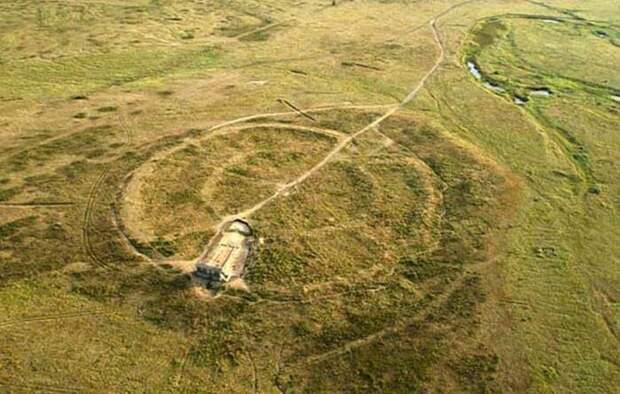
[[86, 221]]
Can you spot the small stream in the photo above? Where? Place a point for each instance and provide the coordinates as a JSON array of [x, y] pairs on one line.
[[544, 92], [601, 34], [493, 87], [519, 100], [473, 69]]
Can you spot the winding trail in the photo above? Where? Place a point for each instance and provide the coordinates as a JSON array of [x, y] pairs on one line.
[[233, 126], [345, 142]]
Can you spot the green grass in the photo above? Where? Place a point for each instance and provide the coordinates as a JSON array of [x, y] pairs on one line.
[[548, 259], [465, 244], [40, 78]]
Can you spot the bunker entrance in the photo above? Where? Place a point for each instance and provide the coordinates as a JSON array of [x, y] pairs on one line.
[[227, 257]]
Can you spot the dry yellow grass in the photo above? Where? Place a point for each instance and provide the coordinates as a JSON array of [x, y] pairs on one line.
[[457, 242]]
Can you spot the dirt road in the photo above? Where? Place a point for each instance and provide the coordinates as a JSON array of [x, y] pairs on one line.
[[345, 142]]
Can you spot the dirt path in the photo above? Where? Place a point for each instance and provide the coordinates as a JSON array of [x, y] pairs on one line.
[[345, 142], [232, 126], [285, 126], [322, 108]]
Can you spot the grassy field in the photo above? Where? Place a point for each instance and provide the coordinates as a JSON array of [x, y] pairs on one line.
[[463, 234]]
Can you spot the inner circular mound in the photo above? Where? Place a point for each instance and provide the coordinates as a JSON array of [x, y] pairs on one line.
[[173, 202]]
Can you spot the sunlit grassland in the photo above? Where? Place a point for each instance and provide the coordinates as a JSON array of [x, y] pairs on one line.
[[562, 255], [468, 243]]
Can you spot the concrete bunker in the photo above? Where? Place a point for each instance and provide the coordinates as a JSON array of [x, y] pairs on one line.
[[226, 259]]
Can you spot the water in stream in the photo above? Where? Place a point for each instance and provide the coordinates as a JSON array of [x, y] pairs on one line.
[[473, 69], [545, 92]]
